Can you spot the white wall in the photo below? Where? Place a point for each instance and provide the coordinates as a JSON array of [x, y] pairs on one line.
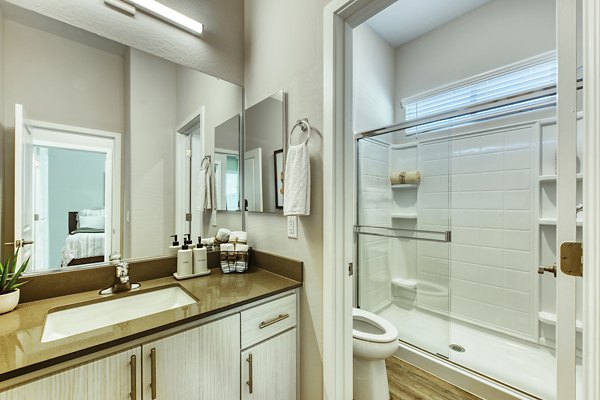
[[57, 80], [498, 33], [219, 51], [373, 80], [149, 155], [284, 51]]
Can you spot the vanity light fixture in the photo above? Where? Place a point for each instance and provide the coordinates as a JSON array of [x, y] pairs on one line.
[[121, 6], [168, 15]]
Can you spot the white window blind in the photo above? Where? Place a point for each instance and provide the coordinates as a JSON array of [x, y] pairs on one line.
[[510, 81]]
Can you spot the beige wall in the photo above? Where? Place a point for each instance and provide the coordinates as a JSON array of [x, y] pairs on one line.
[[149, 155], [496, 34], [57, 80], [263, 130], [220, 101], [218, 52], [284, 50], [2, 241]]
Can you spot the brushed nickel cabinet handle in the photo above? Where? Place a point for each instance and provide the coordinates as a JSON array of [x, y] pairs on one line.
[[280, 317], [153, 372], [133, 370], [249, 381]]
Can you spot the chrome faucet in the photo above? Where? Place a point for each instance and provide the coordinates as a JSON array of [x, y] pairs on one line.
[[122, 282]]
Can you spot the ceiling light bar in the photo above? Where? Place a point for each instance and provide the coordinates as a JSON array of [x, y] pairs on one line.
[[169, 15], [121, 6]]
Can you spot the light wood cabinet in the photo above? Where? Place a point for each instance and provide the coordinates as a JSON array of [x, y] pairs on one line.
[[269, 369], [214, 361], [112, 377], [201, 363]]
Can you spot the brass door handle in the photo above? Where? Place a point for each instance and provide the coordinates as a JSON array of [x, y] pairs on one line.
[[133, 371], [542, 269], [280, 317], [250, 382], [153, 372]]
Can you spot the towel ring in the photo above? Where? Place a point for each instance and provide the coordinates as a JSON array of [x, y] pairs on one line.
[[304, 127]]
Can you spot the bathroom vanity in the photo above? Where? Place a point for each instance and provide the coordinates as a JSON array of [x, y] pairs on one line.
[[237, 341]]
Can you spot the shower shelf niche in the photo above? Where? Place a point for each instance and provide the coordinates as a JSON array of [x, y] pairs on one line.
[[405, 186], [404, 216]]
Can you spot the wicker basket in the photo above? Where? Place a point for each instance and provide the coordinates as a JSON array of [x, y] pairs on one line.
[[234, 261]]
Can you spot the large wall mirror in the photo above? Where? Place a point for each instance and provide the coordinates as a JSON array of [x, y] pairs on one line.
[[264, 154], [108, 148]]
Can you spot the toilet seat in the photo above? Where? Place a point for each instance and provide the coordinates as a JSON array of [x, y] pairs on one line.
[[390, 333]]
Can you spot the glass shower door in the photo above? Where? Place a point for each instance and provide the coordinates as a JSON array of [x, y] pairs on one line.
[[402, 236]]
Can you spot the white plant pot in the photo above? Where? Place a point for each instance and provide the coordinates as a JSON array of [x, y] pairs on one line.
[[9, 301]]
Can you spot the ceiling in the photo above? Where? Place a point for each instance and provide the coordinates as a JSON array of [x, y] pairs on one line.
[[406, 20]]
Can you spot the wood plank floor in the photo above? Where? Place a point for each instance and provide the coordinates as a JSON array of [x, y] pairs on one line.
[[408, 382]]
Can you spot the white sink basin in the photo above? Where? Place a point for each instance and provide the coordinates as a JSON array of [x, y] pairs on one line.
[[75, 320]]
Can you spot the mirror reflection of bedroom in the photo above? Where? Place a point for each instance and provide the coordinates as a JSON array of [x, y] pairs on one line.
[[69, 206]]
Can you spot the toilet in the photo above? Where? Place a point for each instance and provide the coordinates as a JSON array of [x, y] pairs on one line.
[[373, 340]]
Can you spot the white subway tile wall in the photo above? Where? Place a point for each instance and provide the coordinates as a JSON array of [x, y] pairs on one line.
[[491, 207], [374, 198]]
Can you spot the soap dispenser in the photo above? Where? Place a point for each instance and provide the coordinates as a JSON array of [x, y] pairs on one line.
[[184, 261], [173, 248], [187, 239], [200, 264]]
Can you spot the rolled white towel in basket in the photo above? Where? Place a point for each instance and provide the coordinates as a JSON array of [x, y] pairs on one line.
[[241, 260], [222, 235], [238, 237]]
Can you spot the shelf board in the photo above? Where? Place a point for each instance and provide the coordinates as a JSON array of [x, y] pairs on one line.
[[552, 222], [552, 178], [404, 216], [405, 186]]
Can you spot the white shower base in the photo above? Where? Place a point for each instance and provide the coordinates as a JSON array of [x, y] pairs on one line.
[[517, 363]]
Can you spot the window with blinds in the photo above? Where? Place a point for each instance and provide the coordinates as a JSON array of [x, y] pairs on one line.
[[511, 81]]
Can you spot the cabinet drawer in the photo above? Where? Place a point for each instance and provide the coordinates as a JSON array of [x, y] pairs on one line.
[[261, 322]]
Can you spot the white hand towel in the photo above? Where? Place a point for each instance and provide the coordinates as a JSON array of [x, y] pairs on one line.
[[296, 198], [227, 247], [204, 197]]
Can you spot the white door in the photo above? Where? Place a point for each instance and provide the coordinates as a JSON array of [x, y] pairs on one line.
[[24, 215], [253, 179], [566, 203]]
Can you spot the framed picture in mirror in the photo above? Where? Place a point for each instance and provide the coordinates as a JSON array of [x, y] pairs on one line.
[[279, 189]]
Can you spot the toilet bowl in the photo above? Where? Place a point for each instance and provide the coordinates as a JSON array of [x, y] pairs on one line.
[[373, 340]]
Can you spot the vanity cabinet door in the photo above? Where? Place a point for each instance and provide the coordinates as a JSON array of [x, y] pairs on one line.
[[113, 377], [269, 369], [201, 363]]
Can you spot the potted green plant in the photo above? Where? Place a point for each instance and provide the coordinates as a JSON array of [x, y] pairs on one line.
[[9, 287]]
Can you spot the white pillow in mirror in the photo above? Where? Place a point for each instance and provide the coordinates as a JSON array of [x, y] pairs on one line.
[[88, 213], [91, 221]]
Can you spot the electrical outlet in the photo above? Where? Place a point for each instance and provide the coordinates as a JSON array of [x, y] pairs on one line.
[[292, 227]]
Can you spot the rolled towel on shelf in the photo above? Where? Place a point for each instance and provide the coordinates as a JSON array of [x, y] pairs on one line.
[[222, 236], [405, 177], [208, 241]]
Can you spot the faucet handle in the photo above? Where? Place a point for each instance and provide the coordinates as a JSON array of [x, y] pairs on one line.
[[122, 271]]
